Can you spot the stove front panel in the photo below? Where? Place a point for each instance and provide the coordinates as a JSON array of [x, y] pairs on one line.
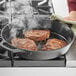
[[58, 62]]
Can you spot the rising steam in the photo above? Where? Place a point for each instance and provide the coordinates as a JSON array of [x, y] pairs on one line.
[[23, 17]]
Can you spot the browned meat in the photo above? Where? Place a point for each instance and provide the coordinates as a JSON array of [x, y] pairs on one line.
[[37, 35], [53, 44], [24, 44]]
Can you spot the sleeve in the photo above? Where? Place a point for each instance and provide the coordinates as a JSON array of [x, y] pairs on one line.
[[72, 5]]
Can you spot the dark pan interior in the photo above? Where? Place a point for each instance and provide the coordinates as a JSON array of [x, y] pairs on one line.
[[58, 30]]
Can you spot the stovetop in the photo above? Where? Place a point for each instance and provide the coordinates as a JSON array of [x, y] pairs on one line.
[[6, 61]]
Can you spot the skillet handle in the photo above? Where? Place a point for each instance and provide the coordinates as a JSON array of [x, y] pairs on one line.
[[2, 55], [61, 19], [69, 25], [15, 51], [5, 45]]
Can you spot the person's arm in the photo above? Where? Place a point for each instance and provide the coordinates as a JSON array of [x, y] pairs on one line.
[[72, 5], [72, 10]]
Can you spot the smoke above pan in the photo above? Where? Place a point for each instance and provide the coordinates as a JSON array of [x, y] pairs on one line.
[[22, 17]]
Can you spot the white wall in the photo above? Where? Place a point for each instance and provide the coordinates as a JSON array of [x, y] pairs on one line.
[[60, 7]]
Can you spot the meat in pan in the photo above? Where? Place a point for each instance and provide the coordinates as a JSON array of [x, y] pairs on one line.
[[26, 44], [37, 35], [53, 44]]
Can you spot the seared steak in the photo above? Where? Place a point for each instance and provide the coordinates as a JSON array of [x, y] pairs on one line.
[[37, 35], [26, 44], [53, 44]]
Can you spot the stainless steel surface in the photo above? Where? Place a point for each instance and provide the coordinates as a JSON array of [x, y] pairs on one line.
[[5, 63], [71, 56], [42, 2], [58, 62]]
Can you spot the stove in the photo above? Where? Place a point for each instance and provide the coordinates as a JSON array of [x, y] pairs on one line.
[[9, 59]]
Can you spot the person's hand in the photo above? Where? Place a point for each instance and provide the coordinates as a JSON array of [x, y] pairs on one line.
[[72, 16], [69, 18]]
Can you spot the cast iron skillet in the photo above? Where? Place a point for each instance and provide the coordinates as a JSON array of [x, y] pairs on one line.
[[59, 30]]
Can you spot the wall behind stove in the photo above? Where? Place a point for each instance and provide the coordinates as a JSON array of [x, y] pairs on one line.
[[60, 7]]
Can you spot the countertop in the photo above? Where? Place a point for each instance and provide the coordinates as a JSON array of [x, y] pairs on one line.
[[71, 56]]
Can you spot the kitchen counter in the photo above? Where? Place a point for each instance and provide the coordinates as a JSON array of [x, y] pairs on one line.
[[71, 56]]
